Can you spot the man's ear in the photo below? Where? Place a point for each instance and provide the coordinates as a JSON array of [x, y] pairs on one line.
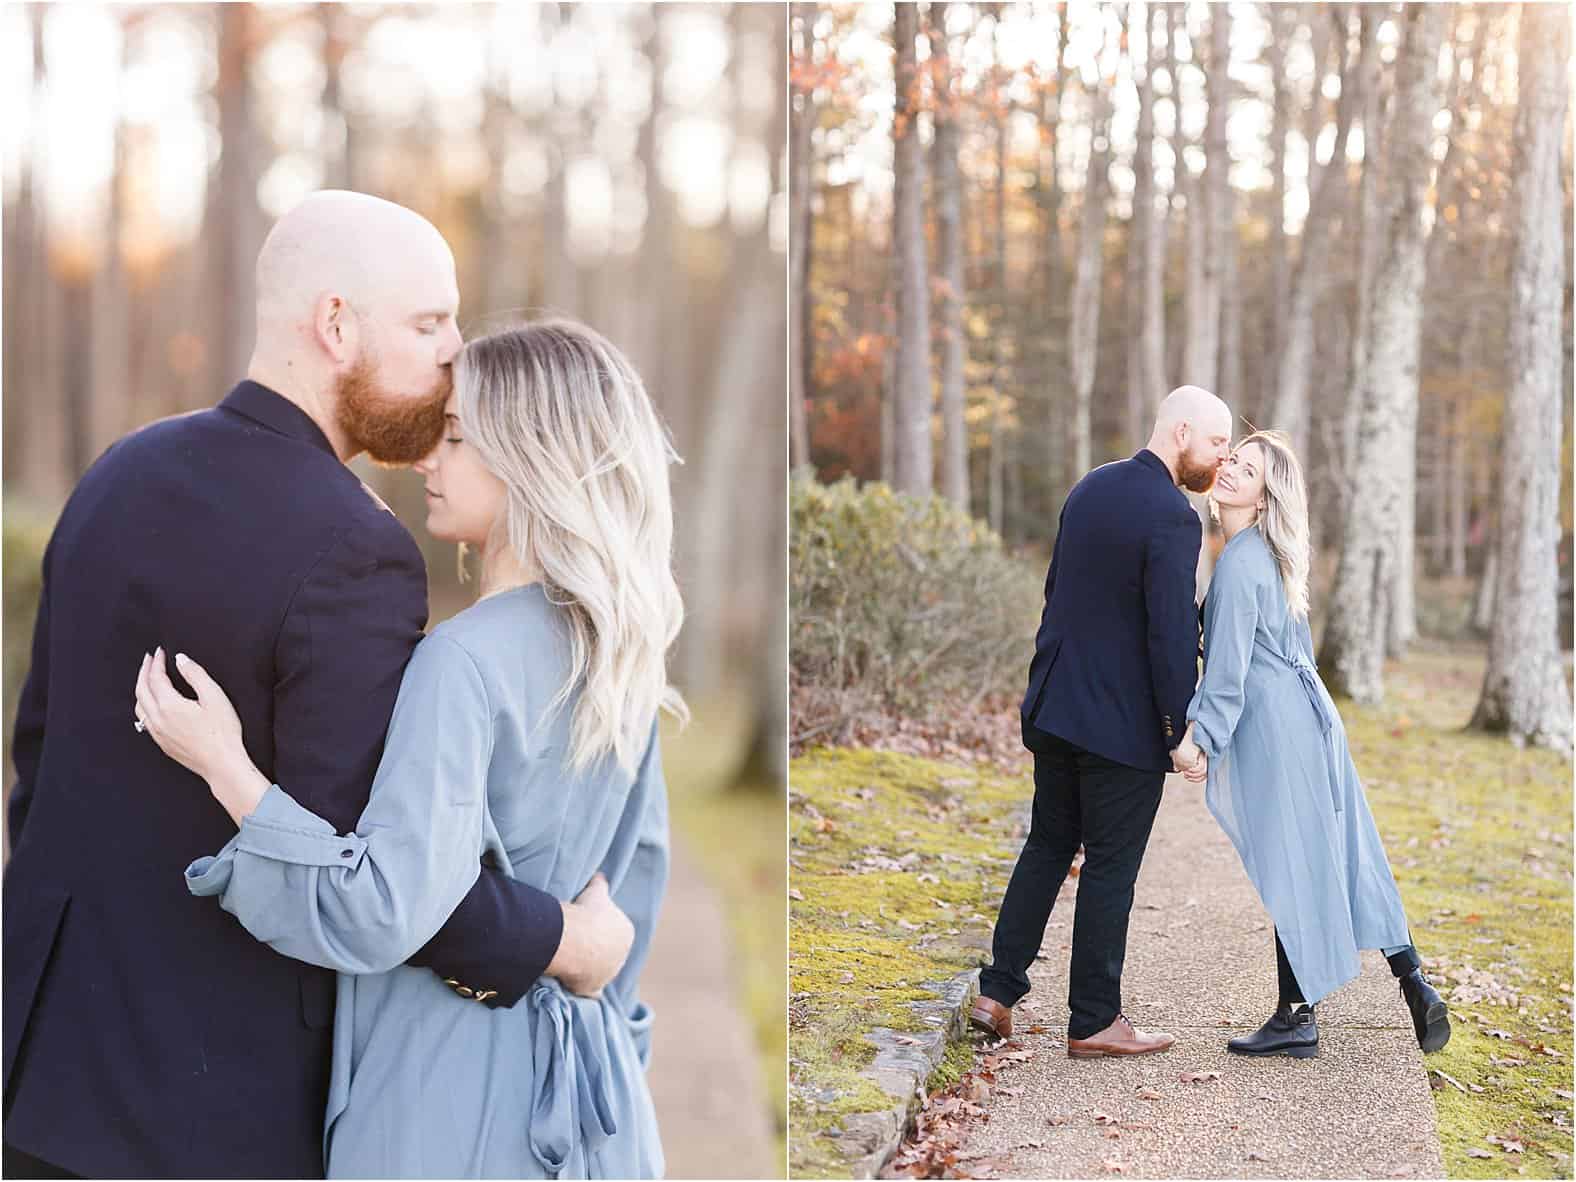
[[336, 329], [1182, 433]]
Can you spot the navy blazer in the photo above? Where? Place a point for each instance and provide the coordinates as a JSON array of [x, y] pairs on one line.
[[1116, 656], [146, 1033]]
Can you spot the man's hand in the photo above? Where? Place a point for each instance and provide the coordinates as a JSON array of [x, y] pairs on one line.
[[596, 941]]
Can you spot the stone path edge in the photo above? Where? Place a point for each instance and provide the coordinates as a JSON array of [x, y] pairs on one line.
[[901, 1068]]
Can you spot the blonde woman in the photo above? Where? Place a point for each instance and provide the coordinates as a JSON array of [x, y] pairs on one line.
[[525, 733], [1281, 781]]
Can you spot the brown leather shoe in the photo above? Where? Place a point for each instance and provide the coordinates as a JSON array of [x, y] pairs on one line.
[[1119, 1038], [991, 1016]]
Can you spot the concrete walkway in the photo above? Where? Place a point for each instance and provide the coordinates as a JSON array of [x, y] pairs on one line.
[[705, 1072], [1201, 964]]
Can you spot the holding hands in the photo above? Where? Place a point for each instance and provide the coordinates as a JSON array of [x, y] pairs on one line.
[[1190, 760]]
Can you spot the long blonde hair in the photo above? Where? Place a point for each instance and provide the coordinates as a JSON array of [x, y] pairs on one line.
[[1283, 523], [560, 416]]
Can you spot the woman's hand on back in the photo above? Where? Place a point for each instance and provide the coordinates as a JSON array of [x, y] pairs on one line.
[[203, 734]]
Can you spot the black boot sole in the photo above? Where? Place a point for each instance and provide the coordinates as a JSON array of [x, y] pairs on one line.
[[1436, 1031], [1310, 1051]]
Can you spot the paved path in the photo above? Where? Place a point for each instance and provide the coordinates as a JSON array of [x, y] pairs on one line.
[[1201, 964], [705, 1071]]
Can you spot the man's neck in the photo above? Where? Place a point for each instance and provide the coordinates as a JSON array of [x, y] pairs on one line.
[[1163, 454], [283, 381]]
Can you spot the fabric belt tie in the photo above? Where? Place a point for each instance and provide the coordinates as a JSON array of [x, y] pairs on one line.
[[570, 1103], [1309, 677]]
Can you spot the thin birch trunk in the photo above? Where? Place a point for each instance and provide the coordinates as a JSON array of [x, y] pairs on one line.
[[912, 456]]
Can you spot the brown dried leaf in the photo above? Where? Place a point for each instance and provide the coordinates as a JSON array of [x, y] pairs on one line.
[[1112, 1166], [1200, 1077], [1149, 1094], [1103, 1118], [1479, 1153], [1061, 1118], [796, 893]]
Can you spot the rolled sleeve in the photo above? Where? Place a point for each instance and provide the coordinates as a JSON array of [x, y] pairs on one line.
[[282, 830]]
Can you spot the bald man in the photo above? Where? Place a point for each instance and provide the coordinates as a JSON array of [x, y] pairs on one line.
[[146, 1033], [1115, 662]]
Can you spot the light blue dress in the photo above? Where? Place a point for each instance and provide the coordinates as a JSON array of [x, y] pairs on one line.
[[1281, 779], [426, 1084]]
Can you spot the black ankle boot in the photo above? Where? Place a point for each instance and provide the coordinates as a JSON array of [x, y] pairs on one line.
[[1430, 1017], [1286, 1033]]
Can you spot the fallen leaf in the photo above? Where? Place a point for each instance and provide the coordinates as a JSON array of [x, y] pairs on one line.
[[905, 1041], [1112, 1166], [976, 1090], [796, 893], [1451, 1080], [1113, 1135], [1256, 1156], [1103, 1118], [1199, 1076], [1148, 1094], [1479, 1153], [1061, 1118]]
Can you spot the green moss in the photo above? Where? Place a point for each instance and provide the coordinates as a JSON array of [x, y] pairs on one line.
[[897, 866], [958, 1059], [1479, 835]]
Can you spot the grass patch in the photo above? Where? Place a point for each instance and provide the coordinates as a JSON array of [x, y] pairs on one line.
[[898, 865], [736, 833], [1479, 836]]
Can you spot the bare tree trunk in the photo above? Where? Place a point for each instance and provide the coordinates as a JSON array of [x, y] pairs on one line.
[[338, 159], [1146, 255], [1352, 654], [997, 486], [802, 117], [234, 222], [1524, 688], [949, 249], [1204, 332], [1182, 207], [913, 395], [1370, 221], [1084, 331], [111, 394], [1198, 342], [1293, 372], [1055, 303], [1280, 127]]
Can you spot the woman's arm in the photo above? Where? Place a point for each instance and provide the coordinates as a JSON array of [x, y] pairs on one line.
[[1230, 617], [364, 902]]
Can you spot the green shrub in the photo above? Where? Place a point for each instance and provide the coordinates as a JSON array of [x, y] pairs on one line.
[[900, 604]]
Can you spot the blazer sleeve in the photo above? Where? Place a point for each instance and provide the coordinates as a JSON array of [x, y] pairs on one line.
[[340, 656], [1231, 615], [1170, 560], [637, 868], [362, 903], [27, 737]]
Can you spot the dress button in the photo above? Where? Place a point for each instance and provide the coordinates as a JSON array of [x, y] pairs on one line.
[[347, 853]]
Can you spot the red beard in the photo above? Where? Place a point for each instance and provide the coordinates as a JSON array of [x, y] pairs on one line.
[[392, 430]]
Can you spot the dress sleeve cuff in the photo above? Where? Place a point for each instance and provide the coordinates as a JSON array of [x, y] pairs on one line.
[[281, 830], [1204, 740]]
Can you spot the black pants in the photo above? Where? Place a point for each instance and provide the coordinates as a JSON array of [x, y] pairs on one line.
[[1401, 963], [1109, 808], [17, 1164]]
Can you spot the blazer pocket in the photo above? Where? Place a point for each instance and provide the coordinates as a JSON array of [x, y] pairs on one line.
[[32, 922], [318, 990]]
